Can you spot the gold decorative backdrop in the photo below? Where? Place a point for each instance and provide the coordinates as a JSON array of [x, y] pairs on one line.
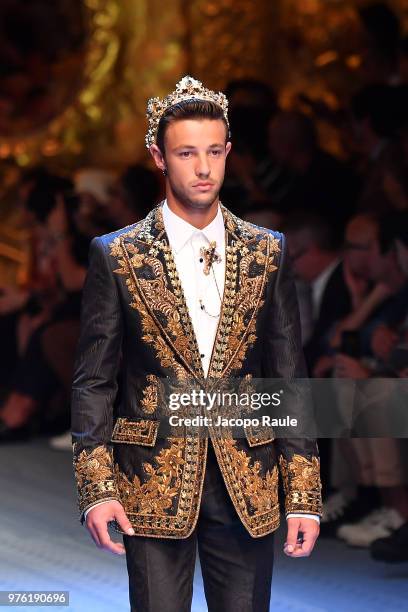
[[139, 48]]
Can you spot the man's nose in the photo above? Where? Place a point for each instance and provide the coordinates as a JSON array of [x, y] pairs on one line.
[[203, 168]]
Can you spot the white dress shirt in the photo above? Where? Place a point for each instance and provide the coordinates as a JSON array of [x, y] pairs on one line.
[[186, 241], [319, 285]]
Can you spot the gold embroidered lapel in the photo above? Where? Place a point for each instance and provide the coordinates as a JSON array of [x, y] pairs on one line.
[[151, 264], [248, 260]]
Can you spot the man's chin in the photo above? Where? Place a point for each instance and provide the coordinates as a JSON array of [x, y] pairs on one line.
[[195, 199], [204, 200]]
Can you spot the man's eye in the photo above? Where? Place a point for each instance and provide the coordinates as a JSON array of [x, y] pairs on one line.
[[185, 154], [216, 152]]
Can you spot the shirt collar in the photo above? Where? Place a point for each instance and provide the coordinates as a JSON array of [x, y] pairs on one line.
[[319, 284], [180, 231]]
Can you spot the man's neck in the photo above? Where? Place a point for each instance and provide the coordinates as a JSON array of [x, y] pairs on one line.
[[198, 217]]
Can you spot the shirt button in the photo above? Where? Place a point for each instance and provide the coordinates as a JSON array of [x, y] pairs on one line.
[[202, 355], [201, 260]]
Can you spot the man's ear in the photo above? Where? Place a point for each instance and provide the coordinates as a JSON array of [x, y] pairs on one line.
[[158, 157], [228, 148]]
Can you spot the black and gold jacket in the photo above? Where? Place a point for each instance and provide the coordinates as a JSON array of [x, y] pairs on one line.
[[135, 331]]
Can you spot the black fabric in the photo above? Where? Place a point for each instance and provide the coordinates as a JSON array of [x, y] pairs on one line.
[[9, 352], [335, 305], [236, 568]]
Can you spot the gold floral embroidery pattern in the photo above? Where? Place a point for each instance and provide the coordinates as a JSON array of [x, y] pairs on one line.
[[165, 325], [162, 302], [151, 331], [233, 223], [191, 352], [155, 496], [255, 497], [140, 431], [237, 305], [167, 503], [150, 395], [301, 483], [246, 305], [274, 248], [94, 475], [262, 258]]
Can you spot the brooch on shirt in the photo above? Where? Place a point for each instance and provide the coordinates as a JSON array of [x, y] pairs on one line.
[[210, 256]]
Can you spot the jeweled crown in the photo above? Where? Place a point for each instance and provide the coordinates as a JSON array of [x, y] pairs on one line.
[[186, 89]]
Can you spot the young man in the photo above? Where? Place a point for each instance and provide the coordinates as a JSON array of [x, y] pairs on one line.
[[194, 292]]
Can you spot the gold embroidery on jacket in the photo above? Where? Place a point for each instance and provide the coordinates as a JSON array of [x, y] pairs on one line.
[[243, 305], [164, 303], [219, 353], [94, 475], [150, 395], [167, 305], [140, 431], [150, 274], [183, 336], [301, 483], [254, 496], [150, 329], [156, 495], [167, 503]]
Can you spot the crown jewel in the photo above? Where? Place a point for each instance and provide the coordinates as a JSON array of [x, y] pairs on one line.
[[186, 89]]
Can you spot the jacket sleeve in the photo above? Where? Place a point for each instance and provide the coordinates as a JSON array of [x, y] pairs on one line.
[[94, 386], [283, 358]]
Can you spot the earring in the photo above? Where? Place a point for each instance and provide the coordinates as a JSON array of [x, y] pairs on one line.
[[164, 171]]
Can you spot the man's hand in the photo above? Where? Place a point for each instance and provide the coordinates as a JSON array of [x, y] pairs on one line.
[[97, 521], [348, 367], [310, 529]]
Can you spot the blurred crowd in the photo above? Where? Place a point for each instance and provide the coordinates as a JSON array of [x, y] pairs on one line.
[[39, 321], [346, 225]]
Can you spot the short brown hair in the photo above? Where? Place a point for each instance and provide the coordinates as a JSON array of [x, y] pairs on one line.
[[189, 109]]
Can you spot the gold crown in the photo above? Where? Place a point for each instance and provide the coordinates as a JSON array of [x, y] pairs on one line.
[[186, 89]]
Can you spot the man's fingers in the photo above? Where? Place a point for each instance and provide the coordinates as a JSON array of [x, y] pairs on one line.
[[124, 523], [97, 523], [304, 549], [105, 541], [302, 546], [293, 529], [94, 536]]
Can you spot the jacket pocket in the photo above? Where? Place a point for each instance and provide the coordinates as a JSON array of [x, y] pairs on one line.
[[257, 436], [135, 431]]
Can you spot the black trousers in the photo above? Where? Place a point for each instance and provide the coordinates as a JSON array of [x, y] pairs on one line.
[[236, 568]]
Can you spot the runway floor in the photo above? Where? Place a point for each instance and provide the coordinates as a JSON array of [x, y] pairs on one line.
[[44, 547]]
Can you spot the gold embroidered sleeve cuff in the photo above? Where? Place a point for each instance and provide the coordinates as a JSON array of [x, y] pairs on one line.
[[301, 484], [93, 468]]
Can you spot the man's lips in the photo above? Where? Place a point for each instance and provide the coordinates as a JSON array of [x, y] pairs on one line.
[[203, 184]]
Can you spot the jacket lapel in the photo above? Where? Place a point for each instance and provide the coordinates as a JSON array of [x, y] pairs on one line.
[[153, 269], [246, 266]]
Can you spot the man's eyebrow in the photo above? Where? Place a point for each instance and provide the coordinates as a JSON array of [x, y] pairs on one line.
[[183, 147], [191, 147]]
